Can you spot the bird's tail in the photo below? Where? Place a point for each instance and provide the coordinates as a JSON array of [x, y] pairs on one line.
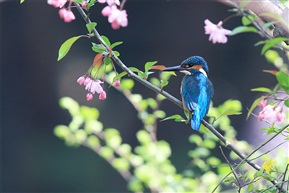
[[196, 120]]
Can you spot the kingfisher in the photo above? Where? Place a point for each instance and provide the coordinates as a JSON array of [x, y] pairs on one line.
[[196, 89]]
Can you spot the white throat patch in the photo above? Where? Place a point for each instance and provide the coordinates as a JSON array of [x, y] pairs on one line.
[[186, 72], [203, 71]]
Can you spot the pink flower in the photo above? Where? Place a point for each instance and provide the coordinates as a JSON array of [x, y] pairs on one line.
[[268, 113], [57, 3], [217, 32], [280, 116], [94, 86], [81, 80], [86, 81], [262, 103], [66, 15], [102, 95], [89, 96], [117, 18], [106, 11], [83, 4], [116, 83]]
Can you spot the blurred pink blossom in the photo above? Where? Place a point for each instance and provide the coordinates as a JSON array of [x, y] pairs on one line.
[[102, 95], [81, 80], [89, 96], [106, 11], [117, 18], [268, 114], [262, 103], [57, 3], [217, 32], [66, 15], [83, 4], [280, 116], [94, 86], [116, 83], [272, 114]]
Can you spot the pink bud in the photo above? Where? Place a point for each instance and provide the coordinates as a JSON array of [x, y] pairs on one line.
[[262, 103], [116, 83], [80, 80], [89, 96], [102, 95], [280, 116], [66, 15], [106, 11], [83, 4], [87, 81]]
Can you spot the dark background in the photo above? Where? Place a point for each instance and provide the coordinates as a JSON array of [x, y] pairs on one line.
[[33, 159]]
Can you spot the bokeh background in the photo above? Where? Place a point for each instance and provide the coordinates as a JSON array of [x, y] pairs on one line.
[[33, 159]]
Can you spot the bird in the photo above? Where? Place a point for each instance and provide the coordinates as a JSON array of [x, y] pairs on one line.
[[196, 89]]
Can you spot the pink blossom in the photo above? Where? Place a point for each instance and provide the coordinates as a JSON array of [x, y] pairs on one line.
[[217, 32], [117, 18], [102, 95], [57, 3], [89, 96], [86, 81], [94, 86], [106, 11], [262, 103], [116, 83], [66, 15], [81, 80], [280, 116], [268, 113], [83, 4]]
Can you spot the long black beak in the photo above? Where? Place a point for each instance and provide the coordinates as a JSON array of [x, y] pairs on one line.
[[174, 68]]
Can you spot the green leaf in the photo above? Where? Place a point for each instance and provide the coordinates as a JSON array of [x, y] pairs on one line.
[[270, 43], [230, 112], [262, 89], [115, 44], [106, 40], [116, 53], [134, 69], [107, 61], [65, 47], [283, 80], [242, 29], [267, 25], [90, 26], [127, 84], [286, 103], [148, 65], [117, 77], [98, 48], [164, 83], [254, 105], [22, 1], [246, 20], [276, 88], [177, 118]]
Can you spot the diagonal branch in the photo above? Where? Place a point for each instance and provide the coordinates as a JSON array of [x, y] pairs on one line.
[[177, 102]]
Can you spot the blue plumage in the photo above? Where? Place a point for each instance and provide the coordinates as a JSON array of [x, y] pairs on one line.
[[196, 89]]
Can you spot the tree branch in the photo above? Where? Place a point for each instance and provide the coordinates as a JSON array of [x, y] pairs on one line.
[[167, 95]]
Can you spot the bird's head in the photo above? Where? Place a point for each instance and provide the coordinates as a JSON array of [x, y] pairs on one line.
[[191, 64]]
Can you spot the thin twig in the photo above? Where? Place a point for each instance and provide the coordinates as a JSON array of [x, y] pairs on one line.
[[168, 96], [232, 169]]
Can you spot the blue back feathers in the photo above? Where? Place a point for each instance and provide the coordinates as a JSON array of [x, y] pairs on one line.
[[197, 91]]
